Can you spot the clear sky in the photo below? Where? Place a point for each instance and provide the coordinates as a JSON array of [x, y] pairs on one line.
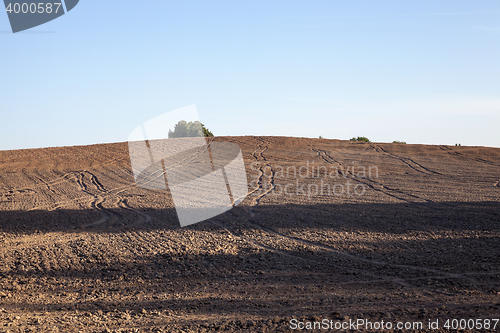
[[416, 71]]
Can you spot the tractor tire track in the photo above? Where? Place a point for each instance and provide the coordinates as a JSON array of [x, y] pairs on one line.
[[370, 183], [394, 193], [161, 173], [68, 176], [251, 220], [102, 195], [143, 217], [466, 157], [97, 201], [258, 156], [46, 184], [90, 185], [96, 183], [408, 161], [93, 187]]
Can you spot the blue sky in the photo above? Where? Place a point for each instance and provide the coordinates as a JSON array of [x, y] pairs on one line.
[[417, 71]]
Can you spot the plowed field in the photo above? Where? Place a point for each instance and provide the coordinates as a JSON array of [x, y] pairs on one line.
[[331, 229]]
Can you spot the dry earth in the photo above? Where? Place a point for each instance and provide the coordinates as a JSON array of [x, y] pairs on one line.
[[83, 249]]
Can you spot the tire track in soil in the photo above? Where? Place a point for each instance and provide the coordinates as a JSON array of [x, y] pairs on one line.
[[380, 187], [96, 204], [143, 217], [96, 183], [70, 176], [21, 190], [47, 185], [344, 254], [406, 160], [64, 177], [256, 201], [119, 203], [448, 205], [326, 156], [89, 184], [466, 157], [10, 193], [258, 155], [372, 184], [124, 204], [161, 174], [97, 199]]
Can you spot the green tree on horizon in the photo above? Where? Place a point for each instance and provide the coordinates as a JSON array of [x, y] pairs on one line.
[[206, 132], [360, 139], [184, 129]]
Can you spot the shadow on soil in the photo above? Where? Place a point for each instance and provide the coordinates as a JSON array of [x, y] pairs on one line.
[[392, 218], [293, 242]]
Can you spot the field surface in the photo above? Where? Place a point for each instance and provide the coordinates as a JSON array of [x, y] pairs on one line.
[[330, 229]]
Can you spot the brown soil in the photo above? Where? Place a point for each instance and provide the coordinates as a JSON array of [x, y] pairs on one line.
[[83, 249]]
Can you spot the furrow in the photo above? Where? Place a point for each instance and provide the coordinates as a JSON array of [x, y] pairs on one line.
[[408, 161]]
